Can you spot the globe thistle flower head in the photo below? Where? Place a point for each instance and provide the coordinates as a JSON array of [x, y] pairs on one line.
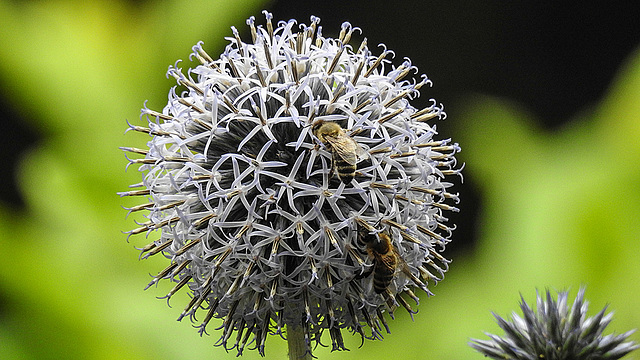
[[294, 186], [556, 332]]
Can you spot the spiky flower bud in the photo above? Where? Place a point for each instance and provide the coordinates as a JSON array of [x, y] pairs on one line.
[[294, 185], [556, 332]]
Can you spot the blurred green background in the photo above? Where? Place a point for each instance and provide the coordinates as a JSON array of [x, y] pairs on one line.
[[545, 103]]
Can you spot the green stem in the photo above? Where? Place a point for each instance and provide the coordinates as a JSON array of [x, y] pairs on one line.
[[297, 346]]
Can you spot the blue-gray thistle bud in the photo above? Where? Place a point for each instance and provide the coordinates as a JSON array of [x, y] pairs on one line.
[[556, 332], [293, 183]]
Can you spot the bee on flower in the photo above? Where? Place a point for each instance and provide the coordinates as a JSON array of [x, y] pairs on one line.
[[270, 164]]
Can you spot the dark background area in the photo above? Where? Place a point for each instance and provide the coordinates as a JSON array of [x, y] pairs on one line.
[[554, 58]]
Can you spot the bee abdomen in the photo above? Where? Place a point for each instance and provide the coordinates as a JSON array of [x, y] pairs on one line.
[[383, 273], [345, 171]]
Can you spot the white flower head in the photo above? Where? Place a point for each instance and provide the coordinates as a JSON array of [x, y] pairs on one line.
[[271, 220]]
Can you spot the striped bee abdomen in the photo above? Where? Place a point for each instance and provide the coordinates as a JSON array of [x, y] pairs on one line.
[[345, 171]]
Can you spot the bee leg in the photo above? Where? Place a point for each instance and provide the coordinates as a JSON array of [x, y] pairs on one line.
[[333, 166]]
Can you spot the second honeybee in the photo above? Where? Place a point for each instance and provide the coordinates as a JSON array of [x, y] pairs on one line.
[[386, 259]]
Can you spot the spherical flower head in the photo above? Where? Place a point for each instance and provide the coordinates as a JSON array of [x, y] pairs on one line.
[[294, 185], [556, 332]]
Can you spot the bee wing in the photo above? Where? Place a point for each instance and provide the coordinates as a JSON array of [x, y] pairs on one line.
[[390, 261], [360, 152], [345, 147]]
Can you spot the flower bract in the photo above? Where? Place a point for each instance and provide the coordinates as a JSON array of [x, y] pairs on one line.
[[556, 332]]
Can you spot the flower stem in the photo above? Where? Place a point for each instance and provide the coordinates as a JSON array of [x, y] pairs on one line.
[[297, 346]]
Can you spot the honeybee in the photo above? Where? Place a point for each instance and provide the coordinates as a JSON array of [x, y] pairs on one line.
[[344, 150], [386, 259]]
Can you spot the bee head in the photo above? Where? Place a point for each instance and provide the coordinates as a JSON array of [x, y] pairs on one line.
[[316, 126], [328, 128]]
